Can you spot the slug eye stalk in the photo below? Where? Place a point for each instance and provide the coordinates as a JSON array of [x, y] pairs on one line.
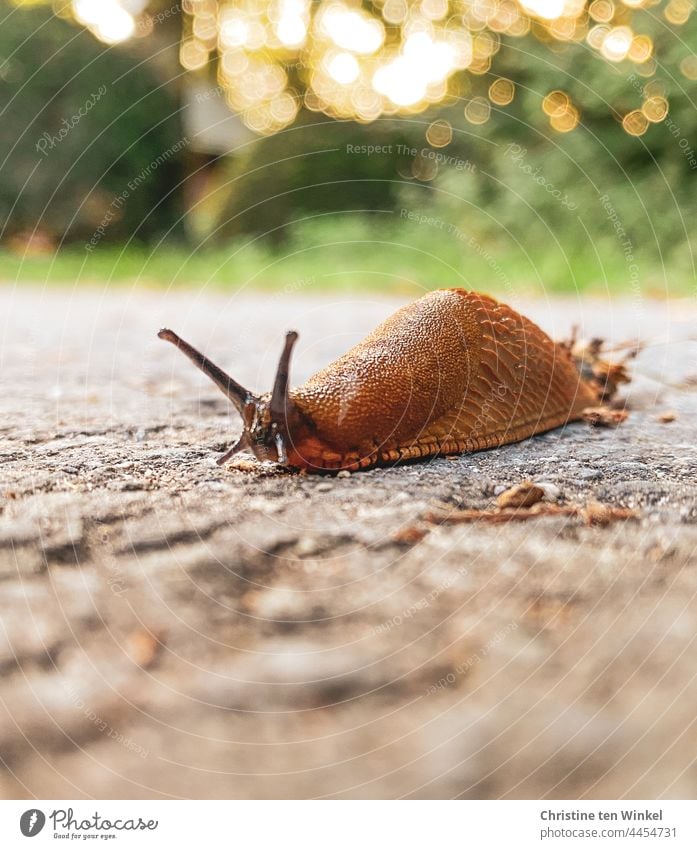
[[265, 418], [278, 406], [239, 396]]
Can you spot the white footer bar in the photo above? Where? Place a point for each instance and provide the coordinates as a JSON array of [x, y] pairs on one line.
[[350, 824]]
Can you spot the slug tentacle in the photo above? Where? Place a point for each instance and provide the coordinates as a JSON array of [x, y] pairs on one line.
[[242, 444], [279, 403], [455, 371], [239, 396]]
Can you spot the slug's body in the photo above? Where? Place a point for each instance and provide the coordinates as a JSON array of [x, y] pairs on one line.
[[455, 371]]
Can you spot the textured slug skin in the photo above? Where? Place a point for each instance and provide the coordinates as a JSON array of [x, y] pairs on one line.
[[454, 371]]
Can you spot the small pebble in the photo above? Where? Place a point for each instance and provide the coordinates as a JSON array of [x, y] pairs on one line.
[[344, 473], [551, 490], [130, 484], [306, 546], [324, 487], [590, 474]]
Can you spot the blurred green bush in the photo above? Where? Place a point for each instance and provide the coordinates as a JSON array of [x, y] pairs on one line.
[[593, 202], [79, 121], [509, 198]]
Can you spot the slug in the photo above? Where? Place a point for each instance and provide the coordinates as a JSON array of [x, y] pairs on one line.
[[452, 372]]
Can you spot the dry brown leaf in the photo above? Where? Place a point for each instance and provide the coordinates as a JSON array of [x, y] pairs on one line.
[[595, 513], [667, 416], [592, 513], [243, 465], [143, 647], [524, 494], [608, 377], [496, 516], [410, 535], [605, 376]]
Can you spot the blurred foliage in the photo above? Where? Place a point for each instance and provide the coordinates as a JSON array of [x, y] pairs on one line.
[[306, 171], [507, 187], [79, 121], [547, 189], [480, 189], [349, 253]]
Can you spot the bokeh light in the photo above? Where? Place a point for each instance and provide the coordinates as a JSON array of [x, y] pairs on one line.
[[109, 20], [478, 110], [440, 133], [655, 109], [555, 104], [688, 67], [635, 123], [501, 92], [616, 44]]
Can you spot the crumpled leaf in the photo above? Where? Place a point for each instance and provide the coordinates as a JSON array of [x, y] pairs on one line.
[[603, 416], [592, 513], [604, 375], [524, 494]]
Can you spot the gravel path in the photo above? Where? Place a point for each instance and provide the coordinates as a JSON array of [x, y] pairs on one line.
[[173, 629]]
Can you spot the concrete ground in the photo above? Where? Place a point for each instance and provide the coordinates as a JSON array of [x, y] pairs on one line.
[[174, 629]]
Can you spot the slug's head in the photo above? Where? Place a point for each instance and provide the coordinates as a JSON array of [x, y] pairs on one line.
[[268, 420]]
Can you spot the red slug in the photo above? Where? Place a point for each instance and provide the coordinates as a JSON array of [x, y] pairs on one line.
[[454, 371]]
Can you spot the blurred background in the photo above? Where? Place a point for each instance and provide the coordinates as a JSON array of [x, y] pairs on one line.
[[526, 145]]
